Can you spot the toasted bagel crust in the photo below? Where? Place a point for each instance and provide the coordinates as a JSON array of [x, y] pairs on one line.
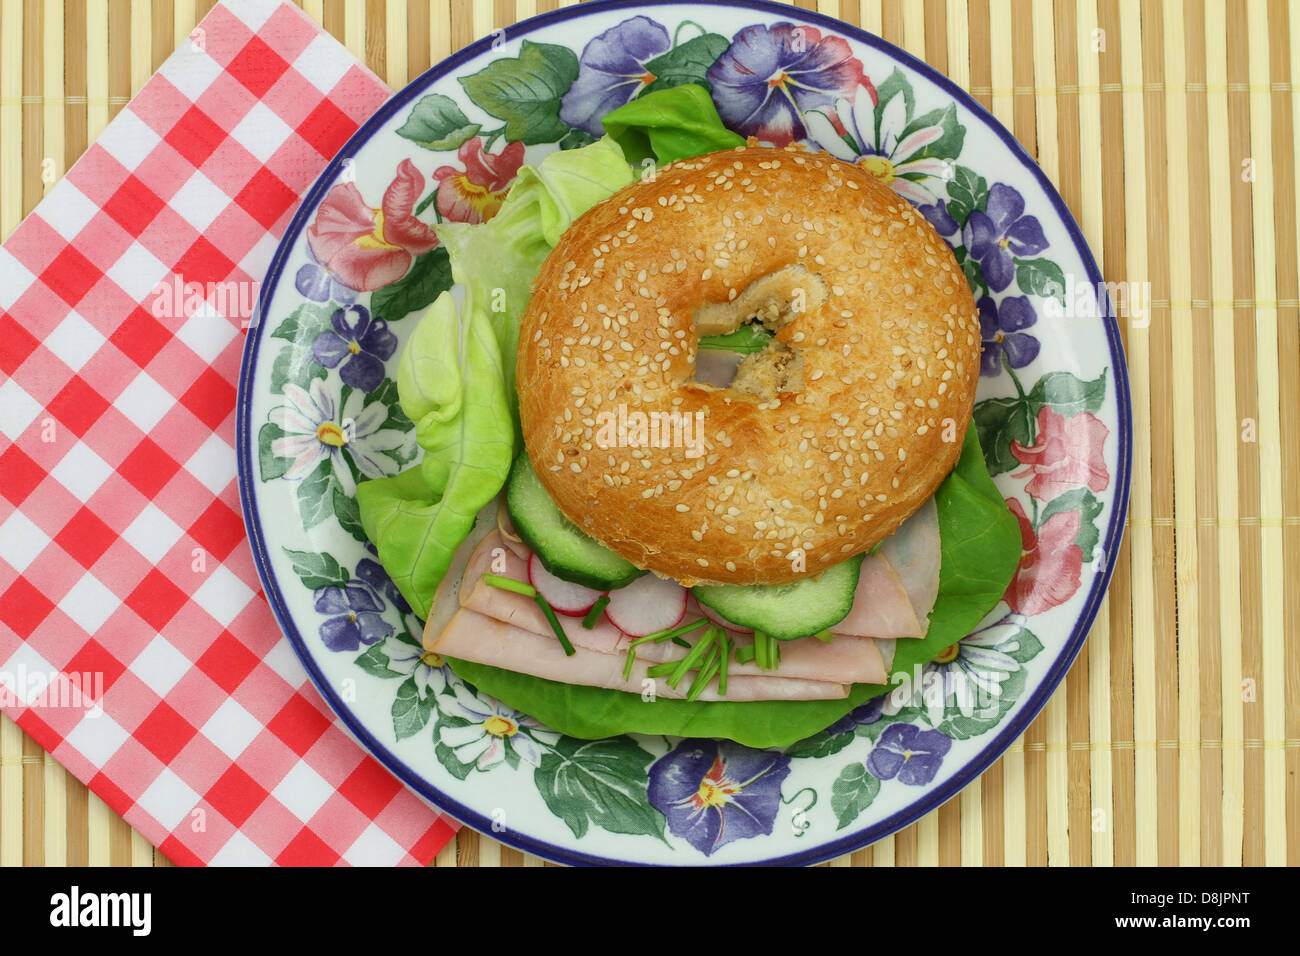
[[889, 354]]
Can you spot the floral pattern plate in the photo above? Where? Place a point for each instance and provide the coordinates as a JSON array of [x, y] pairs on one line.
[[318, 413]]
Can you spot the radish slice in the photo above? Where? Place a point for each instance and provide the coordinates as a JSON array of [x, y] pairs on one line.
[[564, 596], [646, 605], [717, 618]]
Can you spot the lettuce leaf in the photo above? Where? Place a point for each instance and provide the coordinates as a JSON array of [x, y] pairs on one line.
[[461, 396], [498, 260], [676, 123], [418, 518], [981, 549]]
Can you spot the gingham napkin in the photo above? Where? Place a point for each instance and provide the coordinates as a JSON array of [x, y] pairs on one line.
[[124, 566]]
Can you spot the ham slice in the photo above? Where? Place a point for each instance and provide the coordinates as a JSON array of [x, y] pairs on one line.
[[510, 537], [899, 583], [915, 552], [446, 599], [476, 637], [854, 660], [804, 663], [881, 605]]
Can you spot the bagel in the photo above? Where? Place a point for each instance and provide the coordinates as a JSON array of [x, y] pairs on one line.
[[824, 443]]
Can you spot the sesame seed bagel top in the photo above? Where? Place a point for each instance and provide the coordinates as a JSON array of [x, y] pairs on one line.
[[824, 443]]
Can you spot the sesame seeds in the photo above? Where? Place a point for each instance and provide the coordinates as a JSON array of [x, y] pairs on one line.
[[811, 468]]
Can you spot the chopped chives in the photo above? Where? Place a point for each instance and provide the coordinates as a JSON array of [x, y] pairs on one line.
[[692, 659], [661, 670], [510, 584], [767, 652], [631, 656], [706, 672], [824, 636], [671, 632], [722, 667], [555, 623], [596, 610], [745, 654]]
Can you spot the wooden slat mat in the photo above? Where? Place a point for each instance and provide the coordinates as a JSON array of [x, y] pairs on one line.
[[1170, 129]]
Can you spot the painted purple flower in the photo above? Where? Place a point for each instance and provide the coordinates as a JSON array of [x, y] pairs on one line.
[[358, 619], [372, 574], [867, 713], [939, 217], [1000, 328], [317, 283], [360, 343], [612, 70], [770, 76], [999, 232], [909, 753], [716, 791]]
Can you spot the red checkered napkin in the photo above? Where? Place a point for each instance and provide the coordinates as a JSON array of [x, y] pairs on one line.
[[122, 552]]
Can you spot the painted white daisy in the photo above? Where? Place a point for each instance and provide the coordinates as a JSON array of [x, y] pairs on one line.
[[493, 726], [892, 157], [966, 678], [316, 428]]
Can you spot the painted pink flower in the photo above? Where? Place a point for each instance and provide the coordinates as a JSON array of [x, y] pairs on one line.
[[368, 248], [1050, 562], [476, 193], [1068, 455]]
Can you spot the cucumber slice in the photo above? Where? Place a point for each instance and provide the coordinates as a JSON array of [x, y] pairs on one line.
[[563, 548], [788, 611]]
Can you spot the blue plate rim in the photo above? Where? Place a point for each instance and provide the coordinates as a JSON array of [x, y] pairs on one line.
[[932, 799]]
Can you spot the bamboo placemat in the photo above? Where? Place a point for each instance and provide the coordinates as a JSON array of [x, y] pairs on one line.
[[1170, 130]]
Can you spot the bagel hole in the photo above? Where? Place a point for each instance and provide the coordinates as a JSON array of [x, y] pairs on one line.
[[756, 364], [773, 301]]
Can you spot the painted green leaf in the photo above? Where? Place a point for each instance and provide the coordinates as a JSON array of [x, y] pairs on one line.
[[436, 122], [967, 191], [1041, 277], [526, 91], [852, 792], [1000, 421], [315, 495], [601, 782], [447, 757], [305, 323], [686, 63], [346, 510], [270, 464], [295, 365], [1085, 502], [410, 711], [576, 139], [428, 277], [896, 84], [821, 744], [1067, 394], [974, 277], [947, 146], [374, 662], [318, 570]]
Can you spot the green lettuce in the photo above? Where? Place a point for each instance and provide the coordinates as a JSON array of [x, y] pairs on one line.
[[676, 123], [461, 394], [981, 549], [455, 393], [498, 260]]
